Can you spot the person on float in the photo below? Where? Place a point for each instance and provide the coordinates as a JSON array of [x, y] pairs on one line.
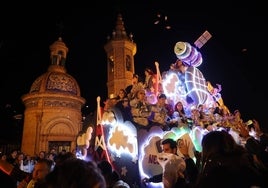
[[140, 109], [171, 176], [136, 85]]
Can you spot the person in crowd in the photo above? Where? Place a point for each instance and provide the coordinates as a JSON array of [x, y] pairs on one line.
[[28, 163], [201, 110], [169, 146], [159, 113], [256, 145], [19, 161], [136, 85], [263, 140], [125, 109], [106, 170], [195, 116], [121, 95], [113, 99], [150, 80], [204, 118], [75, 173], [109, 105], [51, 157], [6, 180], [226, 164], [41, 169], [63, 156], [25, 179], [3, 156], [211, 118], [237, 117], [41, 155], [53, 150], [191, 158], [112, 178], [11, 157], [178, 118], [140, 109], [119, 183]]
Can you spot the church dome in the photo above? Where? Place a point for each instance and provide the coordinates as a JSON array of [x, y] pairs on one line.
[[56, 79], [58, 82]]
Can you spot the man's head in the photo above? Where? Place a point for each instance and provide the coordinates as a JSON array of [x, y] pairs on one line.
[[75, 173], [169, 146], [41, 169], [162, 99]]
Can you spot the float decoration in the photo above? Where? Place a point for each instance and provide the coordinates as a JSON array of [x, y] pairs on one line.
[[133, 151]]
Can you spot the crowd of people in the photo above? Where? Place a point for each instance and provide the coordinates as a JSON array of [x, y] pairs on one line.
[[222, 163], [63, 171], [144, 107]]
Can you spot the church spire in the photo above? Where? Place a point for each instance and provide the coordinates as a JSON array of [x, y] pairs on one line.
[[120, 32]]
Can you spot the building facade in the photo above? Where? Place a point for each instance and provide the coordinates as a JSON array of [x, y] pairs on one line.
[[52, 116]]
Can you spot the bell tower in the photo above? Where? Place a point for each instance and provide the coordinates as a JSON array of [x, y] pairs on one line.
[[120, 50]]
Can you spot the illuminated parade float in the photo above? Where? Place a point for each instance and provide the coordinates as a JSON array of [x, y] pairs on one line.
[[178, 103], [134, 150]]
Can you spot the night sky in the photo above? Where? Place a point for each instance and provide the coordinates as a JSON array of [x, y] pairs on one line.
[[234, 57]]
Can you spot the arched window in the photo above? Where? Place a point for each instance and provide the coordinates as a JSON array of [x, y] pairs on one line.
[[128, 63]]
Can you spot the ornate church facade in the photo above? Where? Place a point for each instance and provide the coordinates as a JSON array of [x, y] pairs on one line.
[[52, 116]]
